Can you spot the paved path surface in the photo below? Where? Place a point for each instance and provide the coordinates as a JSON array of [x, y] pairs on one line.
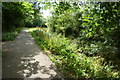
[[22, 58]]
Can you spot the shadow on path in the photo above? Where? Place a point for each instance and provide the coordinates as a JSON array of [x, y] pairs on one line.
[[22, 58]]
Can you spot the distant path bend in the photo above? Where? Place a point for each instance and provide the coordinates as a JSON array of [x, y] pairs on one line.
[[22, 58]]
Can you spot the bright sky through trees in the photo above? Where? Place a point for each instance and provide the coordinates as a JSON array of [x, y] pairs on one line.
[[46, 13]]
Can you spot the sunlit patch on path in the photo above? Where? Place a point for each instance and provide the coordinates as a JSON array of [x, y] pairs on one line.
[[22, 58]]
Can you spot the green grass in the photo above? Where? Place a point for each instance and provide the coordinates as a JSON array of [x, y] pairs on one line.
[[9, 36]]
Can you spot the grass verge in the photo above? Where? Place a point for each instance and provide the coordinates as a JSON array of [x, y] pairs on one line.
[[9, 36]]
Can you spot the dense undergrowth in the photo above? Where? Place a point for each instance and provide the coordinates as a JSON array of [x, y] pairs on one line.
[[70, 60]]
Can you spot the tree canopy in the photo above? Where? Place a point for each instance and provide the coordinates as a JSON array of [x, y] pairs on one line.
[[21, 14]]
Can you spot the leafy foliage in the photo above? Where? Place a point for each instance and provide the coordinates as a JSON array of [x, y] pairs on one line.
[[93, 28], [83, 37], [68, 59], [65, 20], [14, 14], [21, 14], [93, 25]]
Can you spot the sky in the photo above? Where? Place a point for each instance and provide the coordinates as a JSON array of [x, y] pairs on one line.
[[46, 13]]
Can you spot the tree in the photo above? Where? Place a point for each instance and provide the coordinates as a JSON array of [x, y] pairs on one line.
[[14, 14]]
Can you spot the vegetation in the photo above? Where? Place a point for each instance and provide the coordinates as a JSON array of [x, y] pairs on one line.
[[19, 15], [93, 25], [82, 38], [11, 35], [68, 59]]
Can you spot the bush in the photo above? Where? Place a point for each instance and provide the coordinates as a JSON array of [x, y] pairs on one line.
[[81, 66], [55, 43], [93, 48], [69, 61]]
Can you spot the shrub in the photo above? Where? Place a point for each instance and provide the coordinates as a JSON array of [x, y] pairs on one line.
[[81, 66], [69, 61]]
